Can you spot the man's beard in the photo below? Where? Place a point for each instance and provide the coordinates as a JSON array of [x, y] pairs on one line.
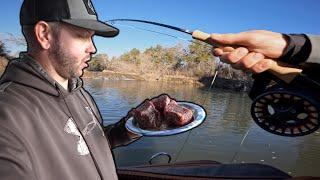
[[65, 63]]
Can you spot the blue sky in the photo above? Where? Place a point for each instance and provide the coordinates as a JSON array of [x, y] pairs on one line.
[[218, 16]]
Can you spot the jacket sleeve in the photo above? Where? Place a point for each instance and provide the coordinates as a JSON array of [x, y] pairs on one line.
[[301, 49], [117, 133], [14, 161], [314, 56]]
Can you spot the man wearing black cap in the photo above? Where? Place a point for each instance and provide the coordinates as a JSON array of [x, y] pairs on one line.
[[50, 127]]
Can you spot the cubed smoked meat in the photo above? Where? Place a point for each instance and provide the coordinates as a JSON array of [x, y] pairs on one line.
[[161, 101], [176, 115], [147, 116], [160, 113]]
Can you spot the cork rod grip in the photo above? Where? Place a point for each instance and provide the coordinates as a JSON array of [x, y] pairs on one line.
[[282, 70]]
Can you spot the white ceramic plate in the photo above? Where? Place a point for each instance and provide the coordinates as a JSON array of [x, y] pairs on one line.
[[199, 115]]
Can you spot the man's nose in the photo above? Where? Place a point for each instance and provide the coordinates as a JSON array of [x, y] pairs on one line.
[[91, 48]]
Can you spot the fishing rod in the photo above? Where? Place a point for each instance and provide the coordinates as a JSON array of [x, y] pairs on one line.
[[198, 35], [154, 23], [282, 70], [285, 99]]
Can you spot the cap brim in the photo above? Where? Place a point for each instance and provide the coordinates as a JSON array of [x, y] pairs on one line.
[[100, 28]]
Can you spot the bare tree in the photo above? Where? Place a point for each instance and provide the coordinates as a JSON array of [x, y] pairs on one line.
[[17, 40]]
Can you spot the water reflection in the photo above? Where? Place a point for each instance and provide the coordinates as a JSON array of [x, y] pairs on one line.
[[218, 138]]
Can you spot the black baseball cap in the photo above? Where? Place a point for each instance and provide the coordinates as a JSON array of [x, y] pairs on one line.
[[79, 13]]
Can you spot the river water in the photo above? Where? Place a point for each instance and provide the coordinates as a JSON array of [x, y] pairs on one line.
[[219, 138]]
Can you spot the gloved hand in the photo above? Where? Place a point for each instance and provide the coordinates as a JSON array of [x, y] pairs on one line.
[[117, 133]]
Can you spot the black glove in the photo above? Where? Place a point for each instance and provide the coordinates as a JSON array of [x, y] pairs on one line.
[[118, 134]]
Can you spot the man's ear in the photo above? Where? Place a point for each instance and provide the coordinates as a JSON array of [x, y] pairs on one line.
[[43, 34]]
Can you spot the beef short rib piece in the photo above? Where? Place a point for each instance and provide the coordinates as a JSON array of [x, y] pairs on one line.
[[160, 113], [161, 101], [176, 115], [147, 116]]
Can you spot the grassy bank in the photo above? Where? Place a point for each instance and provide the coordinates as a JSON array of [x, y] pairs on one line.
[[112, 75], [220, 82], [194, 64]]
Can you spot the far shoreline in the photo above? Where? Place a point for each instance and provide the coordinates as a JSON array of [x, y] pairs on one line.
[[223, 83]]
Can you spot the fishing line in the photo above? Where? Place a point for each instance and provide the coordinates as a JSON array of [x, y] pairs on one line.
[[204, 101], [215, 73], [157, 32], [161, 33], [236, 153], [182, 147]]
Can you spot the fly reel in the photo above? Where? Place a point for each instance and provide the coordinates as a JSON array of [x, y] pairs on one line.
[[286, 109]]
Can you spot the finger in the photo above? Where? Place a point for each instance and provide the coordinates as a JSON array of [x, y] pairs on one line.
[[222, 50], [234, 56], [234, 39], [228, 49], [249, 60], [217, 52], [262, 66], [223, 57]]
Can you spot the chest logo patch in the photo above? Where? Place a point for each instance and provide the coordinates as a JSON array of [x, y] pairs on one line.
[[72, 129]]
